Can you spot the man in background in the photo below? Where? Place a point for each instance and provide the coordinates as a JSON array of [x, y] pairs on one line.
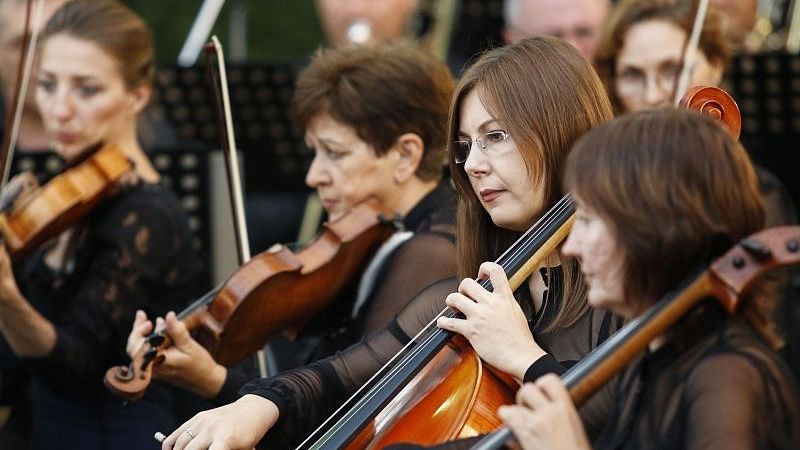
[[575, 21]]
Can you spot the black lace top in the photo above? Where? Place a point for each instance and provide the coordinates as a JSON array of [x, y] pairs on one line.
[[726, 389], [308, 395], [135, 252]]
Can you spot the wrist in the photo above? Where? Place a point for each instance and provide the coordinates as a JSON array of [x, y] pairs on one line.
[[265, 411], [526, 360], [214, 382]]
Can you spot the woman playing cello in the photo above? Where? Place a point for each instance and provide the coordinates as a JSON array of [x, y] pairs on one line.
[[645, 221], [68, 318], [515, 115]]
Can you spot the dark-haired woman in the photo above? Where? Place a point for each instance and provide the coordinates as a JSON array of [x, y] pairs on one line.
[[376, 118], [645, 221]]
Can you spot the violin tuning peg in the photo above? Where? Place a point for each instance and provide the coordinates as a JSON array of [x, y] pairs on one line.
[[155, 339], [758, 250]]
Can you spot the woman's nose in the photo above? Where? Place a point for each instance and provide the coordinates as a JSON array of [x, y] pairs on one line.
[[316, 174]]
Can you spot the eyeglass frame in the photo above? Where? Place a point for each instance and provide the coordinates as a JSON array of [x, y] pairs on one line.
[[482, 145]]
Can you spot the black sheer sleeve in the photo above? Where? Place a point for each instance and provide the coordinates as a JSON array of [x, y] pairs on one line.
[[730, 391], [137, 256], [308, 395], [403, 277]]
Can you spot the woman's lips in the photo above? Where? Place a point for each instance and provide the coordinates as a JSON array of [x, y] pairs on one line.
[[487, 195], [66, 138], [328, 204]]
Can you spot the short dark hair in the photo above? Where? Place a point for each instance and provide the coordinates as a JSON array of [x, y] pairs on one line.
[[381, 91]]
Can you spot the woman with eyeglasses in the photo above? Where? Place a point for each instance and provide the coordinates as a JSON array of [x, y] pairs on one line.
[[713, 381], [640, 56], [515, 115]]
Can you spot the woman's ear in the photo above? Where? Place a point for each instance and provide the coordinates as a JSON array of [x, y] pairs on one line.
[[139, 97], [409, 150]]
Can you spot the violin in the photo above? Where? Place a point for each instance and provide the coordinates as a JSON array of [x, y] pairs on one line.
[[31, 214], [276, 290]]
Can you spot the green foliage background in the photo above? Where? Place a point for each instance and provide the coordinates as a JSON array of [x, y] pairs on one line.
[[276, 29]]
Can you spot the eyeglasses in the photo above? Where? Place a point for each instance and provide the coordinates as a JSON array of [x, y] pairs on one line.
[[634, 81], [490, 143]]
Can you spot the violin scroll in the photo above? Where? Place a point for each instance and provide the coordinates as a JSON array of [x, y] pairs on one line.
[[130, 382], [717, 104]]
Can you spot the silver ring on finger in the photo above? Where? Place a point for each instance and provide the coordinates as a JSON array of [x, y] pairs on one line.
[[189, 432]]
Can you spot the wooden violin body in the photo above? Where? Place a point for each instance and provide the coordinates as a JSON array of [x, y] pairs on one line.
[[276, 290], [280, 290], [46, 211]]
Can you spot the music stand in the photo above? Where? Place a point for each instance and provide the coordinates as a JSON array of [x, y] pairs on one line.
[[767, 88], [275, 155]]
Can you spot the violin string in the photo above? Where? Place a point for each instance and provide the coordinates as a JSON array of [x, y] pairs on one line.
[[430, 331]]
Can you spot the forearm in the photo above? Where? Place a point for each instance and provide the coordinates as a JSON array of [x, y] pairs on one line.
[[28, 333]]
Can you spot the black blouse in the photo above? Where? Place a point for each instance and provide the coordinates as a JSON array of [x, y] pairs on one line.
[[724, 388], [133, 252], [430, 243]]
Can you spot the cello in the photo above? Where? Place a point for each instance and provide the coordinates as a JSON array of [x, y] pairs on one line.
[[727, 279], [441, 378]]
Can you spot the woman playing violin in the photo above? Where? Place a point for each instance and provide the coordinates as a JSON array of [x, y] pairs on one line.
[[515, 114], [645, 221], [375, 117], [67, 319]]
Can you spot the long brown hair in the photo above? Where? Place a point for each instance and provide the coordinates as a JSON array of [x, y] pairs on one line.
[[632, 12], [676, 191], [546, 95]]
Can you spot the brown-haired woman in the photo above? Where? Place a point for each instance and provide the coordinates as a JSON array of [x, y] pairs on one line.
[[516, 113], [640, 53], [640, 56], [646, 220], [67, 320], [375, 117]]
